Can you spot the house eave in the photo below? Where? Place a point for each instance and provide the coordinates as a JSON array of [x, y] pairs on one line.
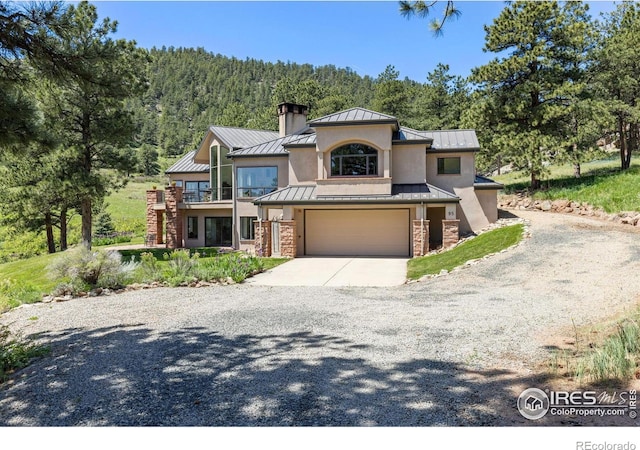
[[377, 201], [453, 150], [260, 155]]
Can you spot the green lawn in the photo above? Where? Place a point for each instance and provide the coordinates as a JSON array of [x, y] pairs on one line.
[[602, 185], [25, 280], [31, 271], [127, 206], [482, 245]]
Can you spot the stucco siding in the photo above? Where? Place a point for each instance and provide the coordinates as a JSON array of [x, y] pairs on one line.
[[303, 165], [408, 164]]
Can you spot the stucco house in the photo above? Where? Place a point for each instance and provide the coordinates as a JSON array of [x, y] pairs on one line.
[[351, 183]]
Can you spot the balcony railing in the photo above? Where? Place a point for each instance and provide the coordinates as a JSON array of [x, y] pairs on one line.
[[210, 195], [255, 191]]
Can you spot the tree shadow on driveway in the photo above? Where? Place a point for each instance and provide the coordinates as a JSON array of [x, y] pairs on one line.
[[134, 376]]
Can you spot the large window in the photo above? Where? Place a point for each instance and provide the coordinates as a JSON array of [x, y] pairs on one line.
[[221, 174], [246, 228], [449, 166], [257, 181], [196, 191], [192, 227], [354, 160]]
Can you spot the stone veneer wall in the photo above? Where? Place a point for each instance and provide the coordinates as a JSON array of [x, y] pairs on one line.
[[173, 196], [420, 237], [288, 245], [154, 217], [450, 232], [262, 232]]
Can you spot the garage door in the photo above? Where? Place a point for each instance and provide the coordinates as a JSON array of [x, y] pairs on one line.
[[365, 232]]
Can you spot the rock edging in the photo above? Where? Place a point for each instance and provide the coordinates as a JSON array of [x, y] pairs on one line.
[[525, 203]]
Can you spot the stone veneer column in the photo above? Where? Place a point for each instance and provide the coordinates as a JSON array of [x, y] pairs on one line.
[[173, 196], [262, 232], [288, 245], [450, 232], [420, 237], [154, 217]]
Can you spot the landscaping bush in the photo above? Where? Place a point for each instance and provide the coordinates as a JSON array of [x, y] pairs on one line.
[[16, 353], [616, 358], [86, 269], [182, 266], [14, 294]]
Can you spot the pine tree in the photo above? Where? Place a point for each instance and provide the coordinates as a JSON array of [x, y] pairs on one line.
[[93, 123], [524, 94]]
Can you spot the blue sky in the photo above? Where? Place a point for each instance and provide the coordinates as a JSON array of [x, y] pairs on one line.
[[364, 35]]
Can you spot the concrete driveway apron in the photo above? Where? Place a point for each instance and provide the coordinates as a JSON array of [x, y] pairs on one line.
[[344, 271]]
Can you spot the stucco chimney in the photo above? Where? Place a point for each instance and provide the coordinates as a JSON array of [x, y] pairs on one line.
[[291, 118]]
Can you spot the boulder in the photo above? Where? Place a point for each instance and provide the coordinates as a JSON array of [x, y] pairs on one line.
[[546, 205]]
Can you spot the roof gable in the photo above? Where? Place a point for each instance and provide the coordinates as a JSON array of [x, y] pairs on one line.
[[187, 165], [354, 116]]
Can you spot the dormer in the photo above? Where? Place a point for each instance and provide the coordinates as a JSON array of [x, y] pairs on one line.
[[353, 150]]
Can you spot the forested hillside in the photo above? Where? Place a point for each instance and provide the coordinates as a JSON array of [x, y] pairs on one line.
[[190, 89]]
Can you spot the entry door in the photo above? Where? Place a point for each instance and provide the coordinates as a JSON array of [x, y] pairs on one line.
[[217, 232]]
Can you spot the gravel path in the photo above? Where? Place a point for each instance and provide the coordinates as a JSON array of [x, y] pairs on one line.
[[453, 350]]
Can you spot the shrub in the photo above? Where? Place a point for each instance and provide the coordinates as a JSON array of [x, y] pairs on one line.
[[85, 269], [16, 353], [181, 267], [14, 294], [149, 267], [617, 358]]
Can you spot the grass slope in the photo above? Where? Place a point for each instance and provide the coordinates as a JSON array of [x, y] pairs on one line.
[[602, 185], [482, 245]]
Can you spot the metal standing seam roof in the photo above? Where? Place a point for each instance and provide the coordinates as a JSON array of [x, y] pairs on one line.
[[400, 193], [242, 137], [274, 147], [186, 165], [453, 139], [481, 182], [357, 115]]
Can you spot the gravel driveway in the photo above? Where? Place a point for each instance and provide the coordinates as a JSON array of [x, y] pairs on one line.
[[454, 350]]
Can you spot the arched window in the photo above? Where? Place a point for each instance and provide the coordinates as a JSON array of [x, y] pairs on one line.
[[354, 160]]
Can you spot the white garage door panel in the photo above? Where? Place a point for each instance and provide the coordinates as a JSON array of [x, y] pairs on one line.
[[373, 232]]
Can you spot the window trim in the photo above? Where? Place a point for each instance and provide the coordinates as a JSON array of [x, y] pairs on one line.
[[193, 220], [262, 190], [251, 229], [444, 172], [368, 157]]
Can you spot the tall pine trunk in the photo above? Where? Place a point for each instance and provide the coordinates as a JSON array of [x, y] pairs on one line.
[[63, 229], [535, 181], [623, 144], [87, 216], [576, 165], [51, 244]]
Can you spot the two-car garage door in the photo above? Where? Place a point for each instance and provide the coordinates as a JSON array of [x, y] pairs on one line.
[[363, 232]]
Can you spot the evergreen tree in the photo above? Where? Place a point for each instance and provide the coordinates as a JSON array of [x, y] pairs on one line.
[[526, 92], [423, 9], [93, 123], [391, 96], [148, 160], [616, 73]]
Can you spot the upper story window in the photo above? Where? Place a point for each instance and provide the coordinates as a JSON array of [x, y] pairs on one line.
[[257, 181], [196, 191], [221, 174], [354, 160], [449, 166]]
